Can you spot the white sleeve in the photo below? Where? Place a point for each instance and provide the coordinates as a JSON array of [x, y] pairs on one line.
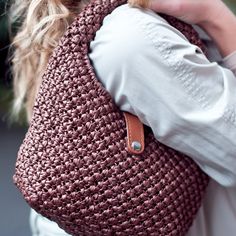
[[152, 71], [230, 62]]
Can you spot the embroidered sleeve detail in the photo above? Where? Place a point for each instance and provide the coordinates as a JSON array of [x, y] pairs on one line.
[[181, 71], [230, 115]]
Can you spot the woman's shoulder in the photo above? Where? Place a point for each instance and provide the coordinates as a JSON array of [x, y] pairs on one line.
[[130, 21], [134, 42], [129, 30], [128, 12]]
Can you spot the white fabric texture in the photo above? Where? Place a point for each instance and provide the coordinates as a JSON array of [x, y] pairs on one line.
[[41, 226], [152, 71]]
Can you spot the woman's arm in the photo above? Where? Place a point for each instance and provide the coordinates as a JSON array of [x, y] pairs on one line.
[[152, 71], [212, 15]]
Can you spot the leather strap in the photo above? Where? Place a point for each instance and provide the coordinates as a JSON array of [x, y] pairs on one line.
[[135, 134]]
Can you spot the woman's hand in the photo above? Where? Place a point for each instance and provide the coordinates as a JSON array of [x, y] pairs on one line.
[[190, 11], [212, 15]]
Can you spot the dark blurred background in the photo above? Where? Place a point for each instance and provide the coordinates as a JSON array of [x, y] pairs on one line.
[[14, 212]]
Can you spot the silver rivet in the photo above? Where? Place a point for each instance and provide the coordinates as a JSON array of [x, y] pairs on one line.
[[136, 145]]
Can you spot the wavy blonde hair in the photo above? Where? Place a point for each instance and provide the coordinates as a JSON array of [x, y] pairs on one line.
[[42, 22]]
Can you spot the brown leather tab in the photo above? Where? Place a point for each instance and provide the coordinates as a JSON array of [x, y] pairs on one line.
[[135, 134]]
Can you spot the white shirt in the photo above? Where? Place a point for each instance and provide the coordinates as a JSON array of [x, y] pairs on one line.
[[152, 71]]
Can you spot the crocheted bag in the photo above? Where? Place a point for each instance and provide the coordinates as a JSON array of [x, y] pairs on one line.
[[74, 166]]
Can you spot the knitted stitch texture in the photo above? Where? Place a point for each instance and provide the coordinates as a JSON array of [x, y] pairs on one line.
[[73, 166]]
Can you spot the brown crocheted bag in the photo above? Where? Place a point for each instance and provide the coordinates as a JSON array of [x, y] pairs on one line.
[[74, 166]]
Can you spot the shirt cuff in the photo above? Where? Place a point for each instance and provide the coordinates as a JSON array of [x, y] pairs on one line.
[[230, 62]]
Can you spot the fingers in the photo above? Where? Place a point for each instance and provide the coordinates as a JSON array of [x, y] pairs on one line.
[[139, 3], [165, 6], [161, 6]]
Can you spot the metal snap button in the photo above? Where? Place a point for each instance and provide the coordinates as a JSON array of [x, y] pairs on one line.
[[136, 145]]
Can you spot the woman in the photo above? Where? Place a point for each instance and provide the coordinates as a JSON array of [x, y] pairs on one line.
[[187, 100]]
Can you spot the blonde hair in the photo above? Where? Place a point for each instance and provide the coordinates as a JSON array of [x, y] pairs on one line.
[[42, 22]]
